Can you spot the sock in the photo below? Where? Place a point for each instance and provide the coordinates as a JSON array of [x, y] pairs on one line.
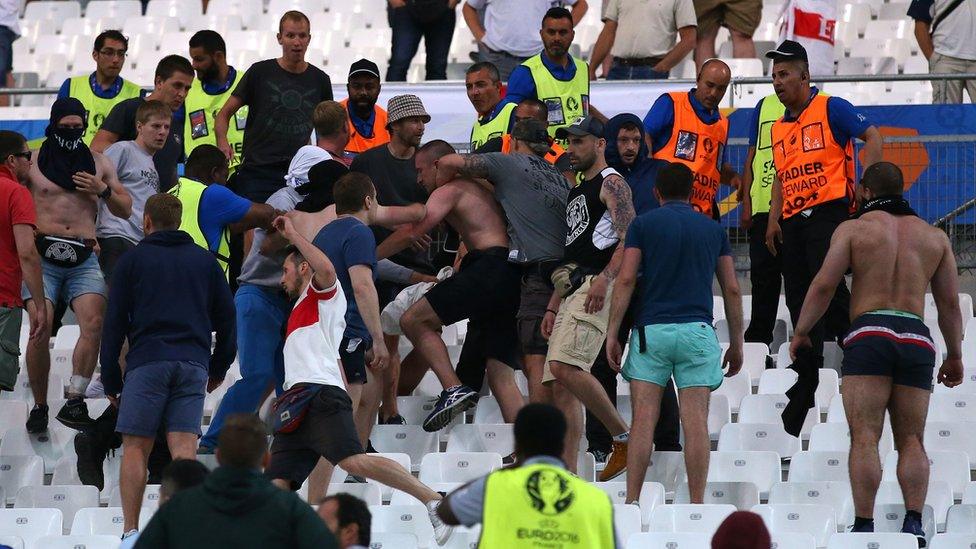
[[913, 515], [862, 524], [40, 406], [622, 437], [78, 385]]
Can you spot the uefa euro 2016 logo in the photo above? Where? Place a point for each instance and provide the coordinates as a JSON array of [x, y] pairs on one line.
[[549, 492]]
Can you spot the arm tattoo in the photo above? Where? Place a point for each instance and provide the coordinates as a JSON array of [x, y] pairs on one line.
[[474, 166], [620, 203]]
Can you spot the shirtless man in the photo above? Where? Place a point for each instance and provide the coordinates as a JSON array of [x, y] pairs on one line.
[[67, 183], [485, 289], [889, 356]]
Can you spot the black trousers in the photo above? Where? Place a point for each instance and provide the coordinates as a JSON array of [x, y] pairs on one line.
[[766, 277], [806, 239]]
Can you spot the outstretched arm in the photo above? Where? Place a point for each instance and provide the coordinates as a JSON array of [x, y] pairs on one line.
[[393, 216], [440, 203]]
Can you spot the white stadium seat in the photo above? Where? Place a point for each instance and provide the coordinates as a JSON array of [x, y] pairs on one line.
[[951, 467], [735, 388], [873, 540], [14, 542], [961, 519], [769, 409], [792, 540], [951, 541], [150, 497], [403, 498], [626, 520], [951, 407], [392, 540], [836, 494], [816, 466], [20, 471], [78, 542], [889, 518], [779, 380], [668, 540], [53, 12], [68, 499], [249, 11], [666, 468], [758, 436], [405, 519], [30, 524], [836, 437], [810, 518], [485, 412], [743, 495], [938, 497], [13, 415], [952, 435], [719, 415], [689, 518], [407, 439], [118, 10], [759, 468], [458, 466], [496, 438], [104, 521], [185, 10]]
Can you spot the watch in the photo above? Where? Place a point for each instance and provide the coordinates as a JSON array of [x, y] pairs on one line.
[[106, 193]]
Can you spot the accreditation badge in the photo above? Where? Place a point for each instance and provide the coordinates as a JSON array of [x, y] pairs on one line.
[[198, 124]]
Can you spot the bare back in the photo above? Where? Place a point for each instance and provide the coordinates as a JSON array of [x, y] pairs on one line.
[[893, 259], [476, 216], [61, 212]]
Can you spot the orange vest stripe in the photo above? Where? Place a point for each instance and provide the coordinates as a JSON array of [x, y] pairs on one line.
[[699, 146], [811, 167], [359, 143], [555, 149]]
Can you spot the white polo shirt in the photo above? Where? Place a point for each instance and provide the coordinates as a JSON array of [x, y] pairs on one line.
[[312, 337]]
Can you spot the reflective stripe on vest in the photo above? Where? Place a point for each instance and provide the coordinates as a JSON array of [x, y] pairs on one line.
[[201, 111], [699, 146], [497, 127], [811, 167], [763, 170], [358, 142], [190, 193], [565, 101], [97, 108], [555, 149], [542, 505]]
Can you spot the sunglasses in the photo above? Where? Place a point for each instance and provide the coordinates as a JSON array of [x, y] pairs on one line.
[[25, 155]]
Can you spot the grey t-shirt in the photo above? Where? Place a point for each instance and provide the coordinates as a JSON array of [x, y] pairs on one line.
[[138, 175], [533, 194], [259, 269]]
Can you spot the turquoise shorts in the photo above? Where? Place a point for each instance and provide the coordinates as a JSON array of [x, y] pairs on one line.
[[689, 351]]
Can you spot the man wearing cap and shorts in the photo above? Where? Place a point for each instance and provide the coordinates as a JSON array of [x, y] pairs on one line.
[[533, 195], [679, 252], [599, 211], [889, 355], [813, 153], [485, 290]]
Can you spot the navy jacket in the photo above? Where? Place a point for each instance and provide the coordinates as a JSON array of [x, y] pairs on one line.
[[167, 296], [643, 172]]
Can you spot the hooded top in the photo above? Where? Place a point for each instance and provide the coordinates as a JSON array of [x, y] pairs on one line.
[[64, 152], [236, 508], [643, 172]]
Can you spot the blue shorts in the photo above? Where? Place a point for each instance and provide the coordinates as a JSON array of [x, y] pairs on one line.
[[892, 345], [688, 351], [67, 283], [167, 393]]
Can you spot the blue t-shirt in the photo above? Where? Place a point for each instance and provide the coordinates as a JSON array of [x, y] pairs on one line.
[[680, 249], [216, 87], [659, 121], [363, 127], [347, 242], [521, 85], [219, 207]]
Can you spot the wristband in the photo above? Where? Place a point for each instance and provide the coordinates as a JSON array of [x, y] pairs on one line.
[[550, 311], [106, 193]]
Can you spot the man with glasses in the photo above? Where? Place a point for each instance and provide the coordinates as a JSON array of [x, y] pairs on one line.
[[101, 90]]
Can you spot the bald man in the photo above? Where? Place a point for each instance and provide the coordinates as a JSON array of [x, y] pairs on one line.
[[687, 127]]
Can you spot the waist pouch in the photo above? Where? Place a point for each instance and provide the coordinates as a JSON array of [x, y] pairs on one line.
[[63, 251], [568, 278], [291, 407]]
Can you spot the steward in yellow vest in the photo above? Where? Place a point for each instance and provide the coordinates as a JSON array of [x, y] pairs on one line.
[[215, 81], [484, 88], [104, 88], [537, 503]]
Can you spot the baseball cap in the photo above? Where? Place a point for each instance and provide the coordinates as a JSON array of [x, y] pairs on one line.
[[788, 50], [364, 66], [531, 131], [584, 125]]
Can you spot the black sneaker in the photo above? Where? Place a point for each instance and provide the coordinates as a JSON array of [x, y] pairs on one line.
[[509, 460], [74, 414], [37, 420], [600, 456], [395, 419], [91, 456], [450, 404], [914, 527]]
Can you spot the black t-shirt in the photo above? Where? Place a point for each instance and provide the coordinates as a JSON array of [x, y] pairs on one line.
[[396, 185], [279, 116], [494, 145], [122, 122]]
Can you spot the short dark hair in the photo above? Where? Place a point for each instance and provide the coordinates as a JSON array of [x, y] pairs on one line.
[[558, 13], [172, 64], [203, 160], [539, 431], [181, 474], [675, 181], [209, 40], [10, 143], [294, 15], [883, 178], [353, 510], [485, 66], [242, 442], [165, 211], [436, 149], [350, 192], [110, 34], [630, 126], [540, 107], [294, 254]]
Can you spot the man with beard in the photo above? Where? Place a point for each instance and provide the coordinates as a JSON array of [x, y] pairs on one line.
[[367, 120], [67, 184], [215, 82]]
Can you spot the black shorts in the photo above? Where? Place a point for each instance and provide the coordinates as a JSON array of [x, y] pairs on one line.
[[888, 345], [535, 293], [352, 354], [110, 251], [387, 291], [327, 431]]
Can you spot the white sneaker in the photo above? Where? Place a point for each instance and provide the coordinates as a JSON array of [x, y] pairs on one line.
[[130, 533], [442, 532], [95, 389]]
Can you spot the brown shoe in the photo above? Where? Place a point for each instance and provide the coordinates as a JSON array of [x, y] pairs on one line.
[[616, 462]]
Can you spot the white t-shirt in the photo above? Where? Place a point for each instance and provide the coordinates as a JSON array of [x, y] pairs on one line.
[[513, 25], [313, 335]]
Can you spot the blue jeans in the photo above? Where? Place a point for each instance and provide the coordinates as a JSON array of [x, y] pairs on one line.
[[621, 72], [261, 316], [407, 32], [7, 38]]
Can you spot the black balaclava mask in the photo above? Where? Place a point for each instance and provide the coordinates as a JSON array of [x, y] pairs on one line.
[[64, 152]]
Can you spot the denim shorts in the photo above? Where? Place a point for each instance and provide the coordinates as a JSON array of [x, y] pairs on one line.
[[688, 351], [67, 283], [166, 394]]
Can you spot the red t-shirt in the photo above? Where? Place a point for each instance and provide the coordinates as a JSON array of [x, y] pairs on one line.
[[16, 208]]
